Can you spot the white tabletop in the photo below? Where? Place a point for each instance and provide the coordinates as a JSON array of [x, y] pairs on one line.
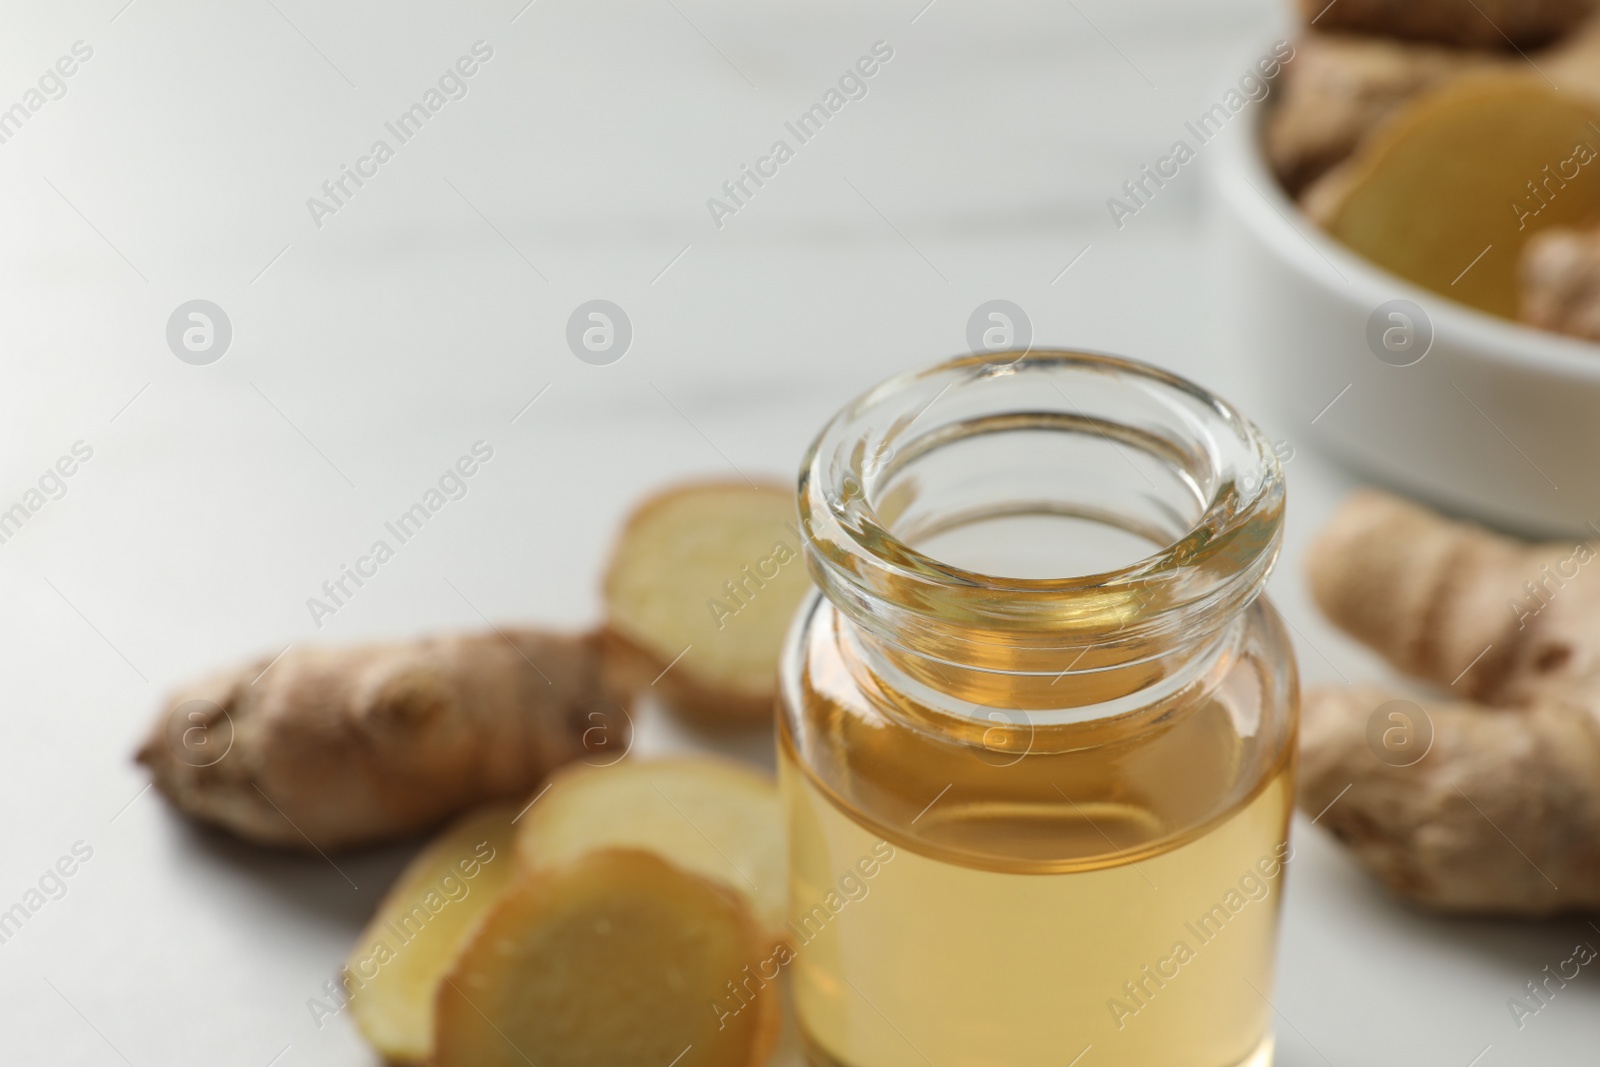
[[430, 309]]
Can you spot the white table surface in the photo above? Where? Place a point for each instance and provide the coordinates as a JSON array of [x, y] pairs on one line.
[[370, 352]]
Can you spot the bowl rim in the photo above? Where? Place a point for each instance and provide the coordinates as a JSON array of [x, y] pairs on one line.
[[1246, 183]]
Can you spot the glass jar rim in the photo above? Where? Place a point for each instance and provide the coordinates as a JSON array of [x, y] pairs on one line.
[[1208, 573]]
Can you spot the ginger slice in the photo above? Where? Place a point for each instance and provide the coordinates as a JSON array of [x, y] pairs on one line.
[[1338, 88], [1487, 804], [1495, 24], [394, 971], [615, 960], [699, 593], [709, 816], [1446, 193], [328, 748]]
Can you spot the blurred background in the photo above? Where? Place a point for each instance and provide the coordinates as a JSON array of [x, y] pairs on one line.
[[374, 343]]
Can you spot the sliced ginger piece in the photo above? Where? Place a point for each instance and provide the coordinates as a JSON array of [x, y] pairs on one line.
[[401, 957], [699, 593], [1446, 194], [1339, 88], [709, 816], [614, 960]]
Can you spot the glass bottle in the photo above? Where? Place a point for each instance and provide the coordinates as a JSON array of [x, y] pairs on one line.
[[1037, 727]]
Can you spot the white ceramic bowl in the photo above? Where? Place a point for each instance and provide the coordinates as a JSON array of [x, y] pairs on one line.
[[1497, 420]]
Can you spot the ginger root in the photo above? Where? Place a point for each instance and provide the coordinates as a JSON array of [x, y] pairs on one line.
[[334, 748], [330, 748], [618, 959], [1559, 282], [1493, 24], [1496, 809], [1573, 63]]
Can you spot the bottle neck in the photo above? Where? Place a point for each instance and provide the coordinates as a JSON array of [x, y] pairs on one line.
[[1064, 536], [1062, 686]]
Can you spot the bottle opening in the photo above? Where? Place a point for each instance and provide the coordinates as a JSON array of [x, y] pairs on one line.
[[1034, 494]]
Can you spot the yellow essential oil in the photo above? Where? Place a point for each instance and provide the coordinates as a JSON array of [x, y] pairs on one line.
[[1036, 818]]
